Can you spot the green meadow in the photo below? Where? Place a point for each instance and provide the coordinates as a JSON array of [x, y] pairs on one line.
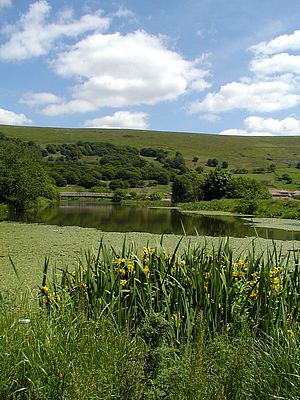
[[240, 152]]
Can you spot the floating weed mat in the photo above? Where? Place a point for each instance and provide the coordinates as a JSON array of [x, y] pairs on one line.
[[188, 288]]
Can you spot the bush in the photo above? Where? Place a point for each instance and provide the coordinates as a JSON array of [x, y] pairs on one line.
[[155, 196], [212, 162], [118, 184], [183, 189], [246, 188], [225, 164], [247, 206], [199, 169], [119, 195], [287, 178], [216, 184]]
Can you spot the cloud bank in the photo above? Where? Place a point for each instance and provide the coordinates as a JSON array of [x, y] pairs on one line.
[[120, 119], [273, 86], [115, 70], [33, 36], [11, 118], [5, 3], [258, 126]]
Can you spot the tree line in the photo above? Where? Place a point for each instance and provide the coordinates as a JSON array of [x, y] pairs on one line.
[[28, 171]]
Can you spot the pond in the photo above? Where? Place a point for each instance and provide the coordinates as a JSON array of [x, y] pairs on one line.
[[125, 218]]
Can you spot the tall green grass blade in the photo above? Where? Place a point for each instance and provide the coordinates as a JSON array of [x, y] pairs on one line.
[[14, 268]]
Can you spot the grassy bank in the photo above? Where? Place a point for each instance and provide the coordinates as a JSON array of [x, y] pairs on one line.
[[70, 357], [289, 209]]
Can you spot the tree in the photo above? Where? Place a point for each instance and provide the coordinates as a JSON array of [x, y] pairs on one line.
[[287, 178], [247, 188], [212, 162], [216, 184], [225, 164], [182, 189], [186, 188], [248, 191], [271, 168], [23, 177]]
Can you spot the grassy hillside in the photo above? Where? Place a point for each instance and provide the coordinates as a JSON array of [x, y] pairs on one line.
[[240, 152]]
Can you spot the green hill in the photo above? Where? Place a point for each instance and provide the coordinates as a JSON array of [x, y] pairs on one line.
[[239, 152]]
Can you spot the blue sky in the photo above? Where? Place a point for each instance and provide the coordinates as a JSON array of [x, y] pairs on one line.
[[214, 66]]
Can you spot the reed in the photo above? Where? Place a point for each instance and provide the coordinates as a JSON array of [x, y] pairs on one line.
[[261, 290]]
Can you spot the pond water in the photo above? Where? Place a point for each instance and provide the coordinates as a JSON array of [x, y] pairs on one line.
[[124, 218]]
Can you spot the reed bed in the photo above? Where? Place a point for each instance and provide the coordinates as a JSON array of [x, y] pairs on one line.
[[199, 284]]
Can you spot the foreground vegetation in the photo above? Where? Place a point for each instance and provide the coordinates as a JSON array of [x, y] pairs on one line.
[[125, 286], [149, 323], [67, 356]]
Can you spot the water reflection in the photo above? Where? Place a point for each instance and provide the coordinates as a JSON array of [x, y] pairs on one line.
[[123, 218]]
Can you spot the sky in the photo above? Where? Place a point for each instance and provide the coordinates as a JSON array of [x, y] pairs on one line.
[[208, 66]]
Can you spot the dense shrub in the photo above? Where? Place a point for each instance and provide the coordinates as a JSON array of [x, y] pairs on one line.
[[212, 162], [183, 189], [23, 177], [247, 188], [216, 184]]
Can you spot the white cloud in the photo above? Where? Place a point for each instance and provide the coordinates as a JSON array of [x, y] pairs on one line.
[[123, 12], [279, 64], [286, 126], [71, 107], [11, 118], [258, 126], [273, 86], [41, 98], [5, 3], [279, 44], [32, 36], [243, 132], [265, 96], [119, 70], [120, 119]]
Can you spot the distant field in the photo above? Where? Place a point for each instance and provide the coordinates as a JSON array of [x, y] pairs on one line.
[[240, 152]]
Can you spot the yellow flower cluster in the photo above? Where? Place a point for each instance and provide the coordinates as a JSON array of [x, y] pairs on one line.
[[45, 289], [120, 261], [275, 279], [240, 268], [146, 271], [126, 268], [49, 298]]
